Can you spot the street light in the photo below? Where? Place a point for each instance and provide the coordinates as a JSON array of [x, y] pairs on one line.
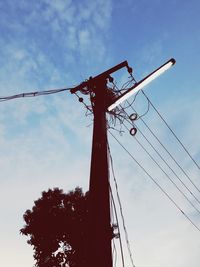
[[138, 86]]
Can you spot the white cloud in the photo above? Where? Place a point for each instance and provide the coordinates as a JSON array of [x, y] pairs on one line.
[[84, 38]]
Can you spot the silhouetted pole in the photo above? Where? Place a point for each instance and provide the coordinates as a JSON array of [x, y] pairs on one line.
[[100, 232]]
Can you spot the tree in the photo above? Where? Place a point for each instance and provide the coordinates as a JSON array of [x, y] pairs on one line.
[[57, 228]]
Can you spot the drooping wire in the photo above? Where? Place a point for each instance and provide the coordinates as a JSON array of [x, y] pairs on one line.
[[117, 220], [114, 253], [88, 108], [163, 146], [114, 250], [126, 84], [121, 210], [33, 94], [156, 183], [173, 133], [131, 103], [161, 157], [145, 113], [170, 179]]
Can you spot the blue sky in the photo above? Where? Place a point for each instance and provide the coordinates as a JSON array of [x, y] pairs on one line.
[[46, 141]]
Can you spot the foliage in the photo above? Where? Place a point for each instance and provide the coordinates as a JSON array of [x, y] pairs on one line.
[[56, 227]]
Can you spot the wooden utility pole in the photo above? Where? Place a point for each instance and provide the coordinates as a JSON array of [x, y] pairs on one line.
[[100, 231], [99, 251]]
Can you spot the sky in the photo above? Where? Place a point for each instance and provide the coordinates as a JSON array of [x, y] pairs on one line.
[[45, 142]]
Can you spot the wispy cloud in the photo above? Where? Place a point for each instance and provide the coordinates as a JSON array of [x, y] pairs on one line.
[[45, 142]]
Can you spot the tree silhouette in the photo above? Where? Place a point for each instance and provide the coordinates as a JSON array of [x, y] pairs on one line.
[[57, 228]]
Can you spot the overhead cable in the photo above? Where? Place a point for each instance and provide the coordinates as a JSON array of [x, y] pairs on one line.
[[114, 253], [156, 183], [33, 94], [170, 179], [162, 158], [116, 216], [114, 250], [172, 157], [173, 133], [121, 210]]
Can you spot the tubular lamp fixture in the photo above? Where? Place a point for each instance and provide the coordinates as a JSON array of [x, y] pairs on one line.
[[138, 86]]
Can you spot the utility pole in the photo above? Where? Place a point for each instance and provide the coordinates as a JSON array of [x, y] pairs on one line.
[[100, 229]]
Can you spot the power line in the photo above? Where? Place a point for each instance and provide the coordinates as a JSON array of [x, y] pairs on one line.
[[121, 211], [172, 157], [114, 250], [116, 216], [161, 157], [114, 253], [158, 185], [173, 133], [183, 194], [33, 94]]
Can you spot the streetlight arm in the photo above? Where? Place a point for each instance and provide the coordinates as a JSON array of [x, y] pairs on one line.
[[138, 86]]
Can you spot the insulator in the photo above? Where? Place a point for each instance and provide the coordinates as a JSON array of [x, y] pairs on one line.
[[80, 99], [117, 235], [114, 226], [130, 70], [111, 79], [133, 131], [133, 116]]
